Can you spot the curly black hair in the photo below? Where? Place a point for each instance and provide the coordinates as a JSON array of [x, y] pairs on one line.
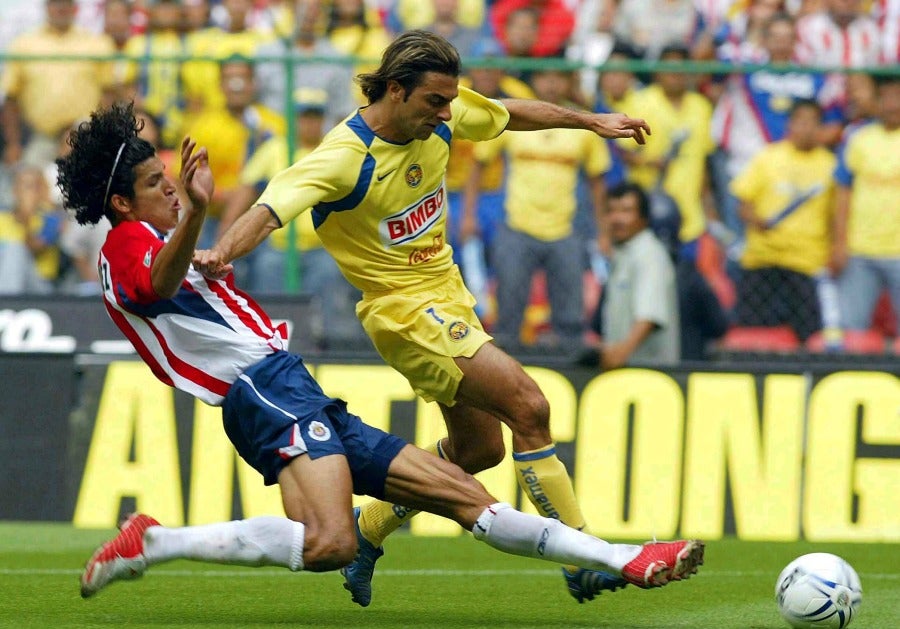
[[91, 168]]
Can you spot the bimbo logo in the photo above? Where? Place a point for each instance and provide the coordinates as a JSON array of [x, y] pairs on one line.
[[414, 220]]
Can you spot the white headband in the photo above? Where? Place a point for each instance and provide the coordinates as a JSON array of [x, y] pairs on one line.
[[112, 172]]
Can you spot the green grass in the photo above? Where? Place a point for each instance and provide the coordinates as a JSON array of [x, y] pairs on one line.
[[421, 582]]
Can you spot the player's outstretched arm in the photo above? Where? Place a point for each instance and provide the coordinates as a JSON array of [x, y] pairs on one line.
[[532, 115], [241, 238], [173, 260]]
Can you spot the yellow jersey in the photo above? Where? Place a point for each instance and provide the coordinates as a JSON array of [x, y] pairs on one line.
[[269, 160], [869, 165], [417, 14], [543, 176], [231, 140], [54, 94], [159, 79], [46, 263], [366, 43], [462, 152], [783, 181], [687, 124], [380, 208], [200, 79]]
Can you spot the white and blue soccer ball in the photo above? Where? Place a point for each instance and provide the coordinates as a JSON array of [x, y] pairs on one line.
[[818, 590]]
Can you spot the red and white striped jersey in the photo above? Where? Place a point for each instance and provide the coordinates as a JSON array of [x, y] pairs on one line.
[[822, 43], [887, 13], [200, 340]]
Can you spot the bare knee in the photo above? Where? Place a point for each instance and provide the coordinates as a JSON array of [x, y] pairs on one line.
[[328, 550], [532, 418], [481, 456]]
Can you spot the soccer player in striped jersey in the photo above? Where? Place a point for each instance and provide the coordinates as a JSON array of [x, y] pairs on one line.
[[205, 336], [376, 190]]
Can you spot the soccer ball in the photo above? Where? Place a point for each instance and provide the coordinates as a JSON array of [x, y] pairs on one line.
[[818, 590]]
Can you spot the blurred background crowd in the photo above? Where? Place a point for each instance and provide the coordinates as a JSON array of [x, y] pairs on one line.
[[762, 214]]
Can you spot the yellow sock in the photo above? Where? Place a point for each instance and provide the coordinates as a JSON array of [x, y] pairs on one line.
[[544, 479], [378, 519]]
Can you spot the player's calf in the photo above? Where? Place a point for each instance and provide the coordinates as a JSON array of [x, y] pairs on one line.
[[329, 550]]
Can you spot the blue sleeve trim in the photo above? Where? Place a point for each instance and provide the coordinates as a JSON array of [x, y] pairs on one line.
[[321, 211], [842, 174], [534, 456], [443, 132], [272, 212]]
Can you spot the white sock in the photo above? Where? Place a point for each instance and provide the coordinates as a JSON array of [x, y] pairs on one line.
[[262, 541], [528, 535]]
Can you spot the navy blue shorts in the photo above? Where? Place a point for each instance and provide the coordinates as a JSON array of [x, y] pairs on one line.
[[276, 411]]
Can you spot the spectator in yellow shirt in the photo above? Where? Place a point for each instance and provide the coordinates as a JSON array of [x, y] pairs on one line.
[[153, 75], [232, 133], [674, 158], [196, 15], [540, 208], [44, 98], [357, 33], [201, 84], [488, 79], [29, 236], [867, 215], [785, 196], [329, 72], [117, 22]]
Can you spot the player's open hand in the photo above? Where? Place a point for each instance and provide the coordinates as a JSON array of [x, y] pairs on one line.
[[195, 174], [210, 263], [621, 126]]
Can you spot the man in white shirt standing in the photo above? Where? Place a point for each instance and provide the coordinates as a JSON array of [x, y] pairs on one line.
[[639, 309]]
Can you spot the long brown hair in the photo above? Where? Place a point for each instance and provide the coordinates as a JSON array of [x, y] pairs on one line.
[[406, 60]]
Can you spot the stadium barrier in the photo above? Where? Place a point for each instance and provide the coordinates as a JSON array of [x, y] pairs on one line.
[[762, 452], [290, 62]]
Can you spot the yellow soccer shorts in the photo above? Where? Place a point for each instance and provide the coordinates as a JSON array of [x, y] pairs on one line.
[[420, 331]]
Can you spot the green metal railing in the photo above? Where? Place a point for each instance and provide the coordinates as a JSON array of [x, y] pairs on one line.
[[293, 279]]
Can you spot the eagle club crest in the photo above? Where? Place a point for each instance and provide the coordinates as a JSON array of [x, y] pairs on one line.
[[414, 176], [458, 330]]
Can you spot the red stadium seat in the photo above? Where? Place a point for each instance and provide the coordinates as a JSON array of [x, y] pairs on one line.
[[884, 318], [854, 342], [779, 339], [711, 264]]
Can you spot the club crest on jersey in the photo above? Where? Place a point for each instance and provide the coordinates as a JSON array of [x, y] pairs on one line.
[[414, 176], [319, 431], [148, 258], [413, 220], [458, 330]]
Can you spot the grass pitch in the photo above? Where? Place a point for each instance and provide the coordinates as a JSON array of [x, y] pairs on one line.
[[420, 582]]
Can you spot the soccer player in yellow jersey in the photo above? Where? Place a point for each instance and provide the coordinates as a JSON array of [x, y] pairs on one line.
[[376, 192], [867, 215], [785, 195]]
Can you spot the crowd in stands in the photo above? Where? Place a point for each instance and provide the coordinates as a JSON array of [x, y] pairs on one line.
[[766, 202]]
